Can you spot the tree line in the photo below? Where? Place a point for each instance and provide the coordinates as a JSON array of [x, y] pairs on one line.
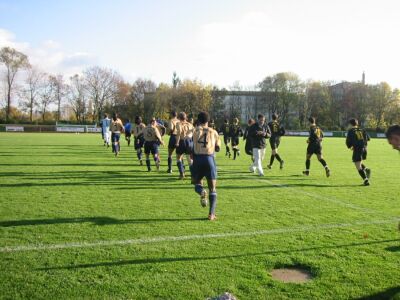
[[83, 98]]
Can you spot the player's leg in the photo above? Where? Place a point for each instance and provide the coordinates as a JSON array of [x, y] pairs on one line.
[[254, 165], [147, 150], [226, 142], [261, 154], [171, 149], [156, 155], [212, 198], [308, 163], [179, 164], [324, 164]]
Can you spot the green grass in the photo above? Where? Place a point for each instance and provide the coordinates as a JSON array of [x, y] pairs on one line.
[[67, 188]]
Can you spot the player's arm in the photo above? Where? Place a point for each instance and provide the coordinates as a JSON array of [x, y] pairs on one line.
[[217, 142], [178, 133], [158, 135]]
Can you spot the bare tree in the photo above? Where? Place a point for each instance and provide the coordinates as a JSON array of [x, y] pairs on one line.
[[31, 90], [59, 91], [77, 97], [13, 61], [101, 86], [46, 97]]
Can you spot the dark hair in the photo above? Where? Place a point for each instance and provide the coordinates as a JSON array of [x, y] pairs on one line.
[[202, 117], [274, 117], [353, 122], [138, 120], [105, 115], [115, 116], [182, 116], [152, 119], [311, 120], [173, 113], [260, 116], [251, 121], [226, 121], [127, 121], [393, 130]]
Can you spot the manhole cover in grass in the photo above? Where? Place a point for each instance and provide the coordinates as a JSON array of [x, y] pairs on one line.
[[292, 274]]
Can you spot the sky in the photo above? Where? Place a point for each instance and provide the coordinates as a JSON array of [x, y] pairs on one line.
[[216, 41]]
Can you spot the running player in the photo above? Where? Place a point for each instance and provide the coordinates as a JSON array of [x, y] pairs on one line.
[[172, 131], [211, 124], [205, 143], [315, 147], [105, 129], [227, 139], [235, 131], [184, 143], [276, 132], [248, 148], [116, 128], [357, 140], [153, 139], [128, 131], [393, 136], [138, 139], [258, 133]]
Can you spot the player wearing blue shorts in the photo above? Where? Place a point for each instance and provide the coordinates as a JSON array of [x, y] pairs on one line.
[[128, 131], [152, 140], [183, 143], [172, 131], [205, 143], [138, 139], [116, 128]]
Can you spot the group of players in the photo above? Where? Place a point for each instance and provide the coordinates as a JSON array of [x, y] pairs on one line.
[[198, 141]]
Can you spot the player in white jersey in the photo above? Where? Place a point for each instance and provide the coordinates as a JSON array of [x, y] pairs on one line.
[[105, 130], [205, 143]]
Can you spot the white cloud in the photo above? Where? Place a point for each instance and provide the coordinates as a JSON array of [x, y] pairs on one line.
[[49, 56]]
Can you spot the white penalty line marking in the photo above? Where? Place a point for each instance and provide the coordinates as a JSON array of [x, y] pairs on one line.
[[325, 198], [41, 247]]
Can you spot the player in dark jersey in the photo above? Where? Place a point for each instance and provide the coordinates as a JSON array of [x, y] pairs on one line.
[[276, 132], [314, 147], [172, 131], [248, 148], [227, 139], [356, 140], [235, 131], [211, 124], [393, 136]]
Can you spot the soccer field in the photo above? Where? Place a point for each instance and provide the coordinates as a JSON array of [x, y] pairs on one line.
[[76, 222]]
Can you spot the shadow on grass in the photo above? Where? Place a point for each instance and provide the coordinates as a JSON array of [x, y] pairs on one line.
[[384, 295], [189, 259], [393, 248], [94, 220]]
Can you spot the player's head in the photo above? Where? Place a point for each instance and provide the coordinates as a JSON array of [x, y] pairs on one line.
[[138, 120], [251, 122], [191, 120], [115, 116], [153, 121], [261, 119], [173, 114], [226, 121], [235, 121], [127, 121], [212, 121], [182, 116], [311, 120], [202, 118], [274, 117], [393, 136], [353, 122], [105, 116]]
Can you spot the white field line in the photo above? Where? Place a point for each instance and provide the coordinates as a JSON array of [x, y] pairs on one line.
[[102, 243], [325, 198]]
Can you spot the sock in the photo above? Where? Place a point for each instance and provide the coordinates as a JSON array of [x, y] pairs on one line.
[[191, 170], [213, 202], [148, 164], [227, 149], [271, 160], [323, 162], [155, 159], [362, 174], [198, 188], [179, 164], [278, 157], [169, 163], [363, 166], [139, 154], [234, 153], [308, 163]]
